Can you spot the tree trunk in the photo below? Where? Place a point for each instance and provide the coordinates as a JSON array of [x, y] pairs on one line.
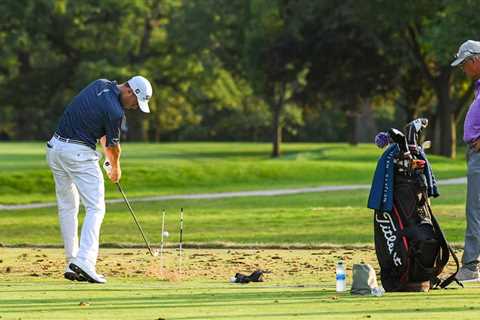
[[135, 123], [352, 137], [276, 100], [365, 126], [445, 121], [277, 132], [447, 131]]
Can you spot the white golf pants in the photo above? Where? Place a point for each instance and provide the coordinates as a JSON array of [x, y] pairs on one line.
[[78, 176]]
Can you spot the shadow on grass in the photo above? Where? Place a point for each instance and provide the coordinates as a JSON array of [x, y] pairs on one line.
[[244, 301]]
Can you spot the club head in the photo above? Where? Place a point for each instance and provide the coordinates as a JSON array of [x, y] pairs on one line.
[[414, 129], [419, 123]]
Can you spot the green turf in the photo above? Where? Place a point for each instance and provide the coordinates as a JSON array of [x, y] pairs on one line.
[[315, 218], [300, 286], [151, 169], [143, 299]]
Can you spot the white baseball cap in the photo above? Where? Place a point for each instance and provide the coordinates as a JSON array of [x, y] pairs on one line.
[[143, 91], [467, 49]]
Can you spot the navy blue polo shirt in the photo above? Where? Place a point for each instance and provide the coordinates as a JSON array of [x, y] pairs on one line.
[[95, 112]]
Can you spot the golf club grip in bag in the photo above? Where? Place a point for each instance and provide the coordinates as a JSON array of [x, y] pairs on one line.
[[411, 248]]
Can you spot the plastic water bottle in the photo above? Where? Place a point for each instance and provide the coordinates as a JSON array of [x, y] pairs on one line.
[[341, 277]]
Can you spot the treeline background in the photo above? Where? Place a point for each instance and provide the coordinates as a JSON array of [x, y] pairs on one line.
[[249, 70]]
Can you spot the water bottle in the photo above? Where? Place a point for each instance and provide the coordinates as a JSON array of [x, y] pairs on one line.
[[341, 277]]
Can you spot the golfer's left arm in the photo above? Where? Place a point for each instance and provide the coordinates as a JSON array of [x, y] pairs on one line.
[[112, 155], [111, 145]]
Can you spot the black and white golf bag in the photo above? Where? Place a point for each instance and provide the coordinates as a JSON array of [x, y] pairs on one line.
[[411, 248]]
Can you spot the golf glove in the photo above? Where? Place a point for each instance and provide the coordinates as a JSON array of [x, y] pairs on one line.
[[107, 167]]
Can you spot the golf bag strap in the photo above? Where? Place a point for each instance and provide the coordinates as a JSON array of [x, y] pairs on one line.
[[445, 246], [451, 278]]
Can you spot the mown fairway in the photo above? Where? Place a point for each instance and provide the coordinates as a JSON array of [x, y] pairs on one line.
[[301, 285], [149, 300], [317, 218], [152, 169]]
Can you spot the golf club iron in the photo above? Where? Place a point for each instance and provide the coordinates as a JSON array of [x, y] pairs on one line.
[[135, 218]]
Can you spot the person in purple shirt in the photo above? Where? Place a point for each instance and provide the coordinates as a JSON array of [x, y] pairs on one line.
[[468, 57]]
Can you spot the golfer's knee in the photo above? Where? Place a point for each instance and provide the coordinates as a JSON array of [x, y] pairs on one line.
[[67, 209], [96, 209]]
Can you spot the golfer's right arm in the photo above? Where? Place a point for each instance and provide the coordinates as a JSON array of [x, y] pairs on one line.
[[112, 154]]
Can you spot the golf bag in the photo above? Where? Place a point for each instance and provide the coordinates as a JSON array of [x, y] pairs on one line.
[[411, 248]]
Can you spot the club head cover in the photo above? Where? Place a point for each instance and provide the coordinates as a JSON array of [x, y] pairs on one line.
[[382, 140], [398, 137]]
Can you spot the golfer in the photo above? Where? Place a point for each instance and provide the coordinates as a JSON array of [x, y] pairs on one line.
[[468, 57], [95, 114]]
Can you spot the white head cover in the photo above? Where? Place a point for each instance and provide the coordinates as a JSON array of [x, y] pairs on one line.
[[143, 91], [467, 49]]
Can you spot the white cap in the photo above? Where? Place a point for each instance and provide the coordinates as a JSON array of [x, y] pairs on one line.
[[467, 49], [143, 91]]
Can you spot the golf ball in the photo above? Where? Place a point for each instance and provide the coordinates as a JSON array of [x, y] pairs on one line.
[[166, 234], [156, 252]]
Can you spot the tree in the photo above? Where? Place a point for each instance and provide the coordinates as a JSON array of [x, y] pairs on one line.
[[51, 49], [346, 65], [429, 32], [254, 41]]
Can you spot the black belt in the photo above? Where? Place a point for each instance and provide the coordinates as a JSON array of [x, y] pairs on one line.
[[471, 146], [59, 137]]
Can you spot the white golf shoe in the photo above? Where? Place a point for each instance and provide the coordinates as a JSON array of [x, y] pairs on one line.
[[71, 275], [84, 270]]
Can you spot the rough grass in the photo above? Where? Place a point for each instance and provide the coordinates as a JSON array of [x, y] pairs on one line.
[[310, 219], [152, 169]]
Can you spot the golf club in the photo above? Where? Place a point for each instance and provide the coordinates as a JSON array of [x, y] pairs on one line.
[[181, 230], [135, 219], [180, 246], [162, 239]]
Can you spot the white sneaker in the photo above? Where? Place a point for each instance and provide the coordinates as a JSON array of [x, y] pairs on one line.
[[467, 275], [71, 275], [84, 270]]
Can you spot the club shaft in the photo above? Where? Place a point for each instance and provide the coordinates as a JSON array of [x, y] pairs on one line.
[[181, 230], [180, 246], [135, 218], [163, 230]]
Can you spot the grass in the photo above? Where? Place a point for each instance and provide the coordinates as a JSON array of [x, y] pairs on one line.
[[312, 219], [147, 300], [294, 290], [301, 284], [174, 168]]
